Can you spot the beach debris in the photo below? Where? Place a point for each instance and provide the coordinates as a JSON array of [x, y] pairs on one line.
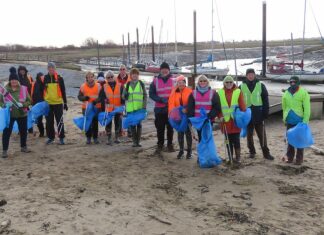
[[3, 202], [159, 220]]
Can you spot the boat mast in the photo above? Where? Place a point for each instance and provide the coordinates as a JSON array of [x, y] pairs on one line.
[[221, 31], [212, 42], [292, 52], [303, 46], [175, 34]]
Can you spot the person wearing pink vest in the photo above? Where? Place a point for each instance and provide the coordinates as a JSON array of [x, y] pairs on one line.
[[160, 90], [17, 99], [204, 97]]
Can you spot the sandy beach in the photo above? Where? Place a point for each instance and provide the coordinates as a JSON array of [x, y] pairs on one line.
[[100, 189]]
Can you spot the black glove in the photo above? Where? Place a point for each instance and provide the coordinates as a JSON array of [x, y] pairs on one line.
[[86, 98], [65, 107]]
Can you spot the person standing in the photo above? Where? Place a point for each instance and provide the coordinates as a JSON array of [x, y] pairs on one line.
[[18, 100], [231, 98], [296, 108], [55, 96], [135, 97], [204, 97], [160, 90], [89, 94], [37, 97], [123, 77], [112, 94], [256, 98], [179, 97]]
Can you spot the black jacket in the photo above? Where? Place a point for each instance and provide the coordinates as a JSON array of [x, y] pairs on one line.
[[259, 113], [50, 79], [38, 92], [216, 107]]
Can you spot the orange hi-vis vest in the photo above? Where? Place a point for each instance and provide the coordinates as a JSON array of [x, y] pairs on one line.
[[92, 92], [113, 96], [179, 98]]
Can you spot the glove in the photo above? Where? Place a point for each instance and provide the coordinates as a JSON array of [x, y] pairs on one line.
[[8, 104], [65, 107], [20, 105], [164, 100], [94, 102], [86, 98]]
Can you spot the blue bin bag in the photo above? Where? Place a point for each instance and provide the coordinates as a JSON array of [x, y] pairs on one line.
[[198, 122], [300, 136], [178, 120], [242, 119], [105, 118], [134, 118], [84, 122]]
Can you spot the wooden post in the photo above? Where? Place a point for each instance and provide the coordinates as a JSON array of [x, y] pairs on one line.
[[98, 55], [128, 51], [191, 80], [153, 51], [264, 38], [137, 45]]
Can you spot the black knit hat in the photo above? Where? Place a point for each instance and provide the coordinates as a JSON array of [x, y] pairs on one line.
[[39, 75], [13, 74], [250, 70], [165, 65]]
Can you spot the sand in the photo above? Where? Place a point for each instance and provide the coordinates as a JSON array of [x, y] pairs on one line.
[[100, 189]]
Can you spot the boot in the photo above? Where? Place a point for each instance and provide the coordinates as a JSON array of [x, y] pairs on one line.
[[180, 154], [109, 141], [189, 145], [134, 137], [158, 149], [269, 157], [181, 145], [139, 134], [61, 141], [290, 160], [96, 141], [171, 148], [25, 150], [88, 140], [237, 155], [4, 154], [299, 160], [117, 141]]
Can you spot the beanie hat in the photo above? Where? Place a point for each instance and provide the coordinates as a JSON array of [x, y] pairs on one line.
[[164, 65], [51, 65], [295, 79], [22, 68], [250, 70], [13, 74], [181, 78], [228, 78]]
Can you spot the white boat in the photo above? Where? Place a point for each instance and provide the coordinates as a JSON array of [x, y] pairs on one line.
[[304, 76], [213, 71]]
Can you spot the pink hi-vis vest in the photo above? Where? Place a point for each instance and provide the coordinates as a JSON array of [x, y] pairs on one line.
[[23, 92], [203, 101], [163, 90]]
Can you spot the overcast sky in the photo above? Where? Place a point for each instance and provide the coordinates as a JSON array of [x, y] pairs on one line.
[[63, 22]]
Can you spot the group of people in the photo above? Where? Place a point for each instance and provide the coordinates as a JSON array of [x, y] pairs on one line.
[[107, 92]]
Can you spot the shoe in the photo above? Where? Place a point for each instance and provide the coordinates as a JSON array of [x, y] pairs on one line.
[[180, 154], [50, 141], [61, 141], [88, 141], [41, 135], [25, 150], [134, 145], [138, 145], [96, 141], [237, 155], [4, 154], [158, 149], [189, 155], [117, 141], [252, 155], [290, 160], [269, 157], [171, 148], [299, 160]]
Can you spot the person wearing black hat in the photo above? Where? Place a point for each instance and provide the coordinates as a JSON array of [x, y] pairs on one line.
[[160, 90], [37, 97], [16, 98], [256, 98], [296, 108]]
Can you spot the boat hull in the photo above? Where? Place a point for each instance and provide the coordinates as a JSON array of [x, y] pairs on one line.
[[304, 77]]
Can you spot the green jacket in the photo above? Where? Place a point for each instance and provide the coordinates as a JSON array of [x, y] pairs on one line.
[[16, 112]]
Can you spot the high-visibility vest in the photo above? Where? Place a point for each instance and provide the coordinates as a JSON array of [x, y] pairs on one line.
[[227, 110], [113, 97], [135, 97], [295, 102], [203, 101], [253, 98], [179, 98], [163, 89], [92, 92], [52, 92]]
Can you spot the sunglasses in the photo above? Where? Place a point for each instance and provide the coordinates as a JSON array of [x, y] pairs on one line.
[[109, 77], [122, 69], [228, 82], [203, 81], [292, 82]]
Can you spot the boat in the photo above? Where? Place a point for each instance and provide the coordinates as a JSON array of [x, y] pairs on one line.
[[279, 69]]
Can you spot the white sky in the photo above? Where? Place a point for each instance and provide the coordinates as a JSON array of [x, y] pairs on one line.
[[63, 22]]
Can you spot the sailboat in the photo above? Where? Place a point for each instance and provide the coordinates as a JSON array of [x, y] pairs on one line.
[[204, 67], [279, 69]]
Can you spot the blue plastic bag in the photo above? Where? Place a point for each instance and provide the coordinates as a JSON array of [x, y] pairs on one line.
[[243, 132], [105, 118], [4, 118], [300, 136], [134, 118], [39, 109], [207, 152], [30, 123], [84, 122], [178, 120], [242, 119], [198, 122]]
